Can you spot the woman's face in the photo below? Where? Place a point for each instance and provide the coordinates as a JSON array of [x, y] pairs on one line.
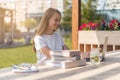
[[54, 22]]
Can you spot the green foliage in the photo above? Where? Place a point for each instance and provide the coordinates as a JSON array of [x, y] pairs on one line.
[[67, 16], [29, 23], [89, 13], [68, 40]]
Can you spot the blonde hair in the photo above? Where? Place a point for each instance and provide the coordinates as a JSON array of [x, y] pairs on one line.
[[45, 20], [44, 23]]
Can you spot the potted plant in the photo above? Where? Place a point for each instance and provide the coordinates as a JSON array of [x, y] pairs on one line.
[[92, 34]]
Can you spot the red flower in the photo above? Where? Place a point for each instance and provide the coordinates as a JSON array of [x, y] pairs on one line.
[[114, 24], [88, 26]]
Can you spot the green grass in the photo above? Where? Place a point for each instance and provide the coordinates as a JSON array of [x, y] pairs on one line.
[[68, 40], [22, 54]]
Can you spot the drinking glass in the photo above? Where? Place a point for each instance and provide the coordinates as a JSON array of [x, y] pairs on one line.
[[95, 55]]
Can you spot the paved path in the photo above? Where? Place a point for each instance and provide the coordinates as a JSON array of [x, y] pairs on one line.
[[14, 44]]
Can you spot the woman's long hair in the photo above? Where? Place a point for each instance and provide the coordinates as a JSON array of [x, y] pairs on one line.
[[44, 22]]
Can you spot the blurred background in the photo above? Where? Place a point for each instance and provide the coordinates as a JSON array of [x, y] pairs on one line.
[[18, 21], [19, 18]]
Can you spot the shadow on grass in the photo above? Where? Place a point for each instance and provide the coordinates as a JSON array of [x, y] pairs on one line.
[[15, 45]]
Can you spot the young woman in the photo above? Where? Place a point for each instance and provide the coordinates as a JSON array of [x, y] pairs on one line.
[[46, 38]]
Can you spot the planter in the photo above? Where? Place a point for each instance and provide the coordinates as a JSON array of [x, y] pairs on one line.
[[90, 39]]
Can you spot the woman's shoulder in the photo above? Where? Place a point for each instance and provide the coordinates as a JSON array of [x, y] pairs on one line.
[[38, 37], [56, 34]]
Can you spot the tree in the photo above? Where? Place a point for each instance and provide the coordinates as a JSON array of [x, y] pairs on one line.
[[89, 13], [67, 16], [29, 23]]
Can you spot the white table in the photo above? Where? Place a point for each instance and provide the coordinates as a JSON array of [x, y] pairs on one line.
[[107, 70]]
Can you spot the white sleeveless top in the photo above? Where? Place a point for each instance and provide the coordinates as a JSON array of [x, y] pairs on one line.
[[54, 42]]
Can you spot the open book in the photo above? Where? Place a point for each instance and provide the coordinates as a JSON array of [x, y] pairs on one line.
[[65, 53], [62, 58]]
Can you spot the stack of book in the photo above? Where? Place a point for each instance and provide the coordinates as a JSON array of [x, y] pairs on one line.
[[65, 59]]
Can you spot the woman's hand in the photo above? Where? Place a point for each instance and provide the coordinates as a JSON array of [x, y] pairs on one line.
[[45, 50]]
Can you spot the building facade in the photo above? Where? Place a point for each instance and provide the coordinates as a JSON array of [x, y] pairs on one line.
[[30, 8], [110, 8]]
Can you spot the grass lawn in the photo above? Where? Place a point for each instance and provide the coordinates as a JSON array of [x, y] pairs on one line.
[[17, 55], [21, 54], [68, 40]]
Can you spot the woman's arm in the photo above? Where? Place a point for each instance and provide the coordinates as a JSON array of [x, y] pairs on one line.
[[45, 50]]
